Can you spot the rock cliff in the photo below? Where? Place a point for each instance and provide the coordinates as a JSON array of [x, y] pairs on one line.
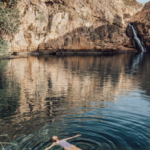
[[142, 23], [49, 26]]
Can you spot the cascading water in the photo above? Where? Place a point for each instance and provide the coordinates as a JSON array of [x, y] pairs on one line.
[[137, 40]]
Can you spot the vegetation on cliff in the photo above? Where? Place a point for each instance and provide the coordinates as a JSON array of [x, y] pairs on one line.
[[9, 21], [129, 2]]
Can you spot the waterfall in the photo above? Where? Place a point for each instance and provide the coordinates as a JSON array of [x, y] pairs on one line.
[[137, 40]]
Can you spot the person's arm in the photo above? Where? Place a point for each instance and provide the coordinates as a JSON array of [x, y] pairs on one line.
[[54, 144], [72, 137]]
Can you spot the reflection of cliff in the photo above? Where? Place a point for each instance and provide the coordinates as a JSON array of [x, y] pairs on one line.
[[47, 87], [69, 81]]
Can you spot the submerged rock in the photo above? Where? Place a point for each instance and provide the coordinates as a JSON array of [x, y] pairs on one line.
[[49, 26]]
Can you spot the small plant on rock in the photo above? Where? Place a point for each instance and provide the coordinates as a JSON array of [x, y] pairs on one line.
[[41, 17]]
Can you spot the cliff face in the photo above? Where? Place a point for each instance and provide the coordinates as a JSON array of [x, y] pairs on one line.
[[142, 22], [64, 25]]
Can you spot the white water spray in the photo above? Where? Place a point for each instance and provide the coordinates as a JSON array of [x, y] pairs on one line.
[[137, 40]]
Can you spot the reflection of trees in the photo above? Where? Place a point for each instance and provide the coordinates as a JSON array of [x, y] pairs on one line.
[[9, 92]]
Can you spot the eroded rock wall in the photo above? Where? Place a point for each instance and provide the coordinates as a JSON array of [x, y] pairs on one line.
[[64, 25]]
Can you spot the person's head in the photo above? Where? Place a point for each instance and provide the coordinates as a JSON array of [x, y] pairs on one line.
[[54, 139]]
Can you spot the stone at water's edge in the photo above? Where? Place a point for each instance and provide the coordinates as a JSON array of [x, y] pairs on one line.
[[53, 25], [142, 21]]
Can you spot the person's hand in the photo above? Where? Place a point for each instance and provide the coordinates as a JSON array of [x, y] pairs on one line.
[[79, 135]]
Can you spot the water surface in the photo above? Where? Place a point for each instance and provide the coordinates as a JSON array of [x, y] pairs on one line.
[[104, 98]]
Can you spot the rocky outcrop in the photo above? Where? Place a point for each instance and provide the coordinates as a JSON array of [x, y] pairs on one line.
[[142, 22], [49, 26]]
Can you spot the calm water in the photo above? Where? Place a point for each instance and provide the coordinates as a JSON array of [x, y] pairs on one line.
[[104, 98]]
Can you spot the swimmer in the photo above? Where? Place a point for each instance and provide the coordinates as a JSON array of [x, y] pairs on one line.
[[63, 143]]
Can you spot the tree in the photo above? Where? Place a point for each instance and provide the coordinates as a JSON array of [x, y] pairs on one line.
[[9, 21]]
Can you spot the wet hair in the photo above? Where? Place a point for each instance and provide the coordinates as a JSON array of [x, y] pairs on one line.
[[51, 140]]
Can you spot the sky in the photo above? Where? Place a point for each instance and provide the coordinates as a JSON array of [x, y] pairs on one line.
[[141, 1]]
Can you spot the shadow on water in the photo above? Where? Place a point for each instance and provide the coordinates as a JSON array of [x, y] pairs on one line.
[[106, 99]]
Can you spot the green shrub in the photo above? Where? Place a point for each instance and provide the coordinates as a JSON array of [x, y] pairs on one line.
[[9, 20], [41, 17], [3, 46], [94, 36]]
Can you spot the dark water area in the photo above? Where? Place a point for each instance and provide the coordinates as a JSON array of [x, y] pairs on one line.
[[104, 98]]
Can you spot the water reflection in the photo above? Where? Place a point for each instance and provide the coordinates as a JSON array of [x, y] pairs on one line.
[[9, 92], [136, 62], [100, 97], [74, 80]]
